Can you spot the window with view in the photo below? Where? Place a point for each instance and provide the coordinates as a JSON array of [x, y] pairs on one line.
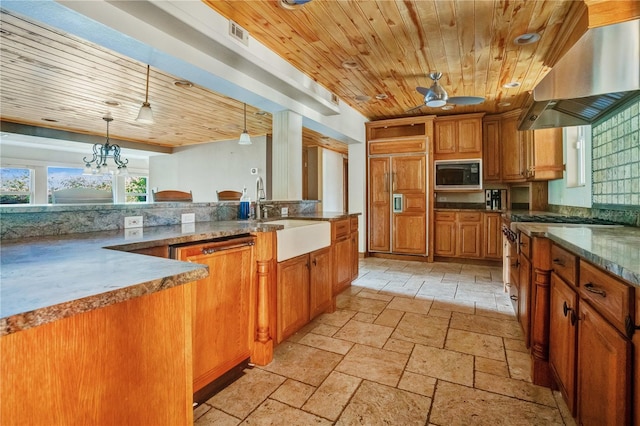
[[136, 189], [69, 177], [16, 185]]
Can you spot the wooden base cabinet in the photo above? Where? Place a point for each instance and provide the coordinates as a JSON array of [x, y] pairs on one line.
[[492, 236], [305, 290], [458, 234], [604, 366], [224, 307], [563, 338]]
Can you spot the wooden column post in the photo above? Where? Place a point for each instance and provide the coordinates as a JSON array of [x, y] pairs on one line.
[[262, 352]]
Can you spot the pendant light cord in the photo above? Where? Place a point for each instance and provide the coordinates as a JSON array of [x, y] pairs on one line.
[[146, 95]]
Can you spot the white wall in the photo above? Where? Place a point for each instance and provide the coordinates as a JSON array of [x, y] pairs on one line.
[[332, 181], [579, 196], [207, 168]]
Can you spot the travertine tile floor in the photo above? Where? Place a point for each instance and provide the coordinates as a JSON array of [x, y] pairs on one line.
[[409, 344]]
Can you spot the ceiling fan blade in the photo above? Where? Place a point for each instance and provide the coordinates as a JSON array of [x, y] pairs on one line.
[[465, 100], [414, 108], [422, 90]]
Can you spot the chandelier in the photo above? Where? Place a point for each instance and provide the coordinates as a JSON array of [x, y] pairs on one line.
[[101, 152]]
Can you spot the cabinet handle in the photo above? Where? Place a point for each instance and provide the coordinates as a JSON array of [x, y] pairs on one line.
[[514, 298], [566, 309], [558, 262], [516, 264], [595, 290], [629, 327], [315, 262]]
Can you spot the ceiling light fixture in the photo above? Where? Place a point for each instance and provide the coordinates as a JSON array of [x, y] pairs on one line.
[[245, 139], [527, 38], [436, 95], [292, 4], [101, 152], [511, 85], [447, 107], [184, 84], [145, 115], [382, 96], [349, 64]]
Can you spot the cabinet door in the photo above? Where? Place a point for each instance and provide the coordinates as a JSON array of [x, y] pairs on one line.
[[380, 204], [342, 264], [468, 244], [513, 157], [604, 366], [470, 136], [409, 233], [223, 298], [355, 256], [446, 135], [544, 154], [492, 236], [408, 174], [563, 336], [491, 151], [293, 295], [524, 298], [320, 281], [444, 244]]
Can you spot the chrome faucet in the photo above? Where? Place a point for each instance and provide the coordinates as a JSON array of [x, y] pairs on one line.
[[259, 197]]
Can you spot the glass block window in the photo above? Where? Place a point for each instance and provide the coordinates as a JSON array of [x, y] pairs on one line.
[[616, 159]]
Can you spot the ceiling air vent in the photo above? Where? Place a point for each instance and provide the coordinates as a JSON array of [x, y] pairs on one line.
[[239, 33]]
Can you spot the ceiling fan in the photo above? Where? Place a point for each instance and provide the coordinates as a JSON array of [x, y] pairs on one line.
[[435, 96]]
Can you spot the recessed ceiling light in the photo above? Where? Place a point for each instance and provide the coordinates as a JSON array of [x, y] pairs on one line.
[[362, 98], [511, 85], [325, 138], [447, 107], [112, 103], [382, 96], [260, 112], [528, 38], [504, 104], [50, 120], [349, 65], [183, 84]]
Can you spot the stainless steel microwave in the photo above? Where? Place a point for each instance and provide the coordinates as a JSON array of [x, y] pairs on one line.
[[458, 174]]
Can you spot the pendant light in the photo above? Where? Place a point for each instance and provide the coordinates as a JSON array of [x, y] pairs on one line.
[[145, 115], [101, 152], [245, 139]]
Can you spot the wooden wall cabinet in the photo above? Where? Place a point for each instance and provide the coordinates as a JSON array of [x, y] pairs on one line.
[[458, 136], [491, 165], [304, 289], [530, 155]]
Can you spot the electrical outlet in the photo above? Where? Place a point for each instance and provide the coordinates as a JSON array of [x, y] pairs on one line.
[[133, 222], [284, 211], [188, 217], [188, 228]]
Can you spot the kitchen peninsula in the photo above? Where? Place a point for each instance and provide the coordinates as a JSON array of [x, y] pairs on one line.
[[99, 332]]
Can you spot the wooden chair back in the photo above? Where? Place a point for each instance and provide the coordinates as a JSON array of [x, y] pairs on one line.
[[229, 195], [171, 195]]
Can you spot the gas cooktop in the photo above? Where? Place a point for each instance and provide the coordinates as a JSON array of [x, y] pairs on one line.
[[540, 218]]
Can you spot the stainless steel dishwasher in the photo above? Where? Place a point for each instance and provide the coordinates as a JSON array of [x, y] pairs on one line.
[[224, 306]]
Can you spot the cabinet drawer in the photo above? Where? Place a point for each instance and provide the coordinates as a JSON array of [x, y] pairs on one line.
[[446, 216], [398, 146], [470, 217], [609, 296], [525, 245], [565, 264], [340, 229], [354, 223]]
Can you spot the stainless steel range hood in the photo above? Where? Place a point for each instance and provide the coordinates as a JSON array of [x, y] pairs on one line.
[[601, 71]]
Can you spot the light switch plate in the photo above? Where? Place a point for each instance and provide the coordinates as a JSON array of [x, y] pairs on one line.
[[284, 211], [133, 222]]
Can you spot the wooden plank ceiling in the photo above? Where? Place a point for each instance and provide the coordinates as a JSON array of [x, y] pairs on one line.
[[53, 80], [396, 44], [49, 75]]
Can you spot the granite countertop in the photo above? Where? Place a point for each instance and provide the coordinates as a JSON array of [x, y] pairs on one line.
[[48, 278], [613, 248]]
